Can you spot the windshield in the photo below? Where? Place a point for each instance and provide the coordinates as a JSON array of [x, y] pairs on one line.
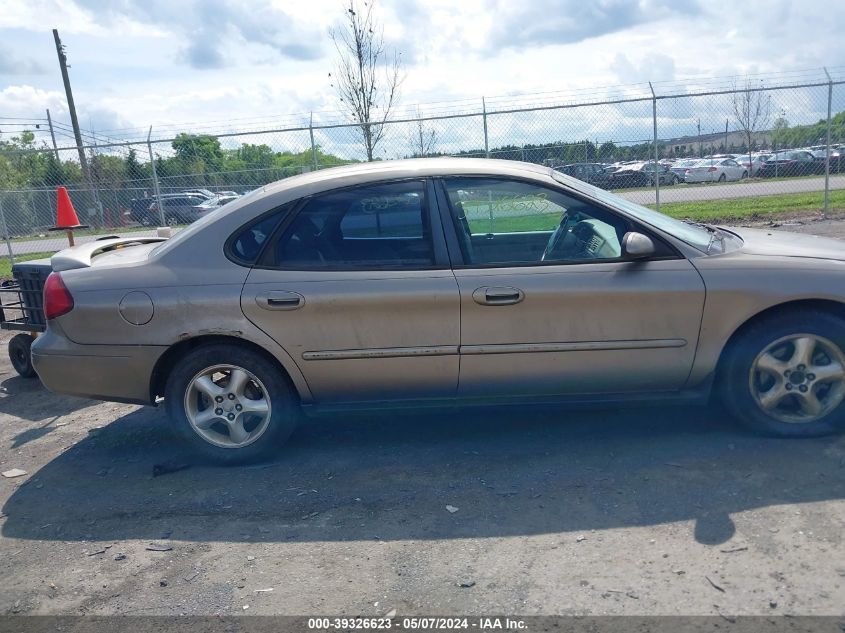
[[693, 235]]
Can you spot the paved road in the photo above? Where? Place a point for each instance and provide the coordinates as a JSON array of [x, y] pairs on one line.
[[618, 512], [694, 193], [679, 193]]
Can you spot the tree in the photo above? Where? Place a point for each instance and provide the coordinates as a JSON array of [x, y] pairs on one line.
[[752, 109], [366, 79], [202, 152], [134, 171], [423, 139]]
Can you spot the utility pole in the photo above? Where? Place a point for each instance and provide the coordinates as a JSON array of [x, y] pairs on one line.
[[52, 135], [60, 51]]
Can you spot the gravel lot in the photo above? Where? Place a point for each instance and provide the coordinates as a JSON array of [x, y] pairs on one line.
[[634, 511]]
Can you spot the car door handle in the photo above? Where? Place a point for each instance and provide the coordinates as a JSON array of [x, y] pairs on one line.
[[280, 300], [497, 296]]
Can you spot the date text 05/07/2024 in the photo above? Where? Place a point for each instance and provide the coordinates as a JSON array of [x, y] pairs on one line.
[[420, 623]]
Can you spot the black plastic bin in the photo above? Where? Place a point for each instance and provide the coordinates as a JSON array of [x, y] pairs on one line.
[[31, 278], [22, 309], [22, 301]]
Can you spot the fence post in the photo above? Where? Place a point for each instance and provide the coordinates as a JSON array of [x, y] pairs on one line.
[[656, 174], [155, 179], [5, 230], [313, 147], [827, 146], [484, 116]]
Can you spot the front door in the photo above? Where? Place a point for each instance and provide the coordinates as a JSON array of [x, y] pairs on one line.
[[549, 305], [358, 291]]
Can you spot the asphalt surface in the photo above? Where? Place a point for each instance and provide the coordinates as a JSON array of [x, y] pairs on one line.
[[650, 510]]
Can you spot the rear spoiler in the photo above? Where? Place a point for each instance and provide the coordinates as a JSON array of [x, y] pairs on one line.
[[81, 256]]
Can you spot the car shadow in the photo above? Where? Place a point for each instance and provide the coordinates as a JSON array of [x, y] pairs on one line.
[[29, 406], [443, 475]]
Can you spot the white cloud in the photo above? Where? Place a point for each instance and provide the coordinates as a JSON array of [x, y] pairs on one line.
[[137, 63]]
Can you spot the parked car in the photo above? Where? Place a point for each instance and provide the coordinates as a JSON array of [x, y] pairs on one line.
[[715, 170], [139, 210], [594, 173], [679, 167], [145, 210], [790, 163], [444, 281], [182, 208], [837, 160], [755, 165], [643, 175], [204, 193]]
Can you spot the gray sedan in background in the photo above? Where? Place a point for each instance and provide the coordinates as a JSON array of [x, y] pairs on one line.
[[440, 282]]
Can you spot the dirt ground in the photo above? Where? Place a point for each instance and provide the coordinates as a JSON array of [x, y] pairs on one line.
[[649, 510]]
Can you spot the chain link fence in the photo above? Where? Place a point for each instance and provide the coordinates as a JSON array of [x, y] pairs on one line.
[[725, 154]]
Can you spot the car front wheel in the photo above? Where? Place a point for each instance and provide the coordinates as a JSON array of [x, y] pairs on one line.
[[231, 404], [785, 375]]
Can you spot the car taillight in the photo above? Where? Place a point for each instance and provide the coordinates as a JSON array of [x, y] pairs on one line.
[[712, 169], [57, 298], [686, 171]]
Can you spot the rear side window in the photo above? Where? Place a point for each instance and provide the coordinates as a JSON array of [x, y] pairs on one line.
[[245, 246], [383, 225]]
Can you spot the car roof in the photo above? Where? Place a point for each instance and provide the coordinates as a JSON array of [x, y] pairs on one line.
[[409, 168]]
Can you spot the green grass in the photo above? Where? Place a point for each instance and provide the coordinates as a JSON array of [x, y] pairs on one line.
[[6, 265], [752, 208]]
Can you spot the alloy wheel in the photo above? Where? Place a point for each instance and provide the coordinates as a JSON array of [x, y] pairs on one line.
[[227, 406], [799, 378]]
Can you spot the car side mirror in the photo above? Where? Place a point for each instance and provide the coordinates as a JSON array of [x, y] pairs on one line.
[[637, 246]]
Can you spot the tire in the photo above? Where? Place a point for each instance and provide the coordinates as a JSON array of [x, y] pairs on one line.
[[744, 386], [248, 436], [744, 175], [675, 180], [722, 178], [19, 354]]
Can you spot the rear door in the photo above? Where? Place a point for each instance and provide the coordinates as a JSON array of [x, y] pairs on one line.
[[358, 290], [550, 306]]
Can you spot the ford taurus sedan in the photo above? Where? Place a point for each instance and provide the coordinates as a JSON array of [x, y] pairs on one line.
[[443, 281]]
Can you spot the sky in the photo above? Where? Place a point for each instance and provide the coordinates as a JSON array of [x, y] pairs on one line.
[[217, 65]]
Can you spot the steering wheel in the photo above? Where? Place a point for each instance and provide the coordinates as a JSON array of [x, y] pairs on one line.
[[556, 237]]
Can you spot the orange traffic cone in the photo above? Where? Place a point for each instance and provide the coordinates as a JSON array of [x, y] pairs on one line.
[[65, 214], [66, 219]]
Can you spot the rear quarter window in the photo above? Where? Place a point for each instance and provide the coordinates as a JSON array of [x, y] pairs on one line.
[[246, 245]]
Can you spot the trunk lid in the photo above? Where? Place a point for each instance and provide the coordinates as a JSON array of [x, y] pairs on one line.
[[113, 250]]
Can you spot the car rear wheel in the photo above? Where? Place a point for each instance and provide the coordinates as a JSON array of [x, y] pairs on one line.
[[785, 375], [744, 175], [722, 178], [19, 353], [231, 404]]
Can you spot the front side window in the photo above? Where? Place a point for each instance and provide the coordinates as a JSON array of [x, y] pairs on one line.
[[383, 225], [512, 222]]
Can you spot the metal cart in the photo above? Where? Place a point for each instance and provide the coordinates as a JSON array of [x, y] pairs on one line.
[[22, 309]]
